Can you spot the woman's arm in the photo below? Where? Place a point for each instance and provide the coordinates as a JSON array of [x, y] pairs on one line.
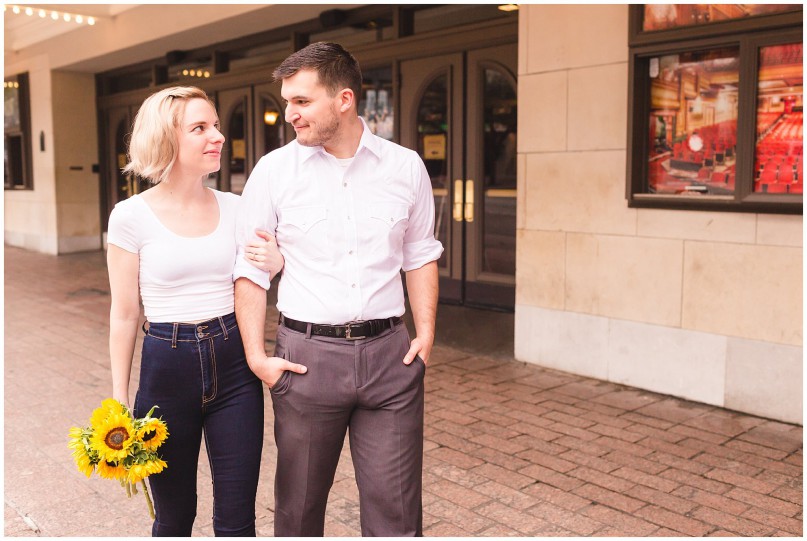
[[124, 316]]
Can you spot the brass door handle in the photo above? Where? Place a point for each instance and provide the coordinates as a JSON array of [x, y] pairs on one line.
[[469, 200], [457, 200]]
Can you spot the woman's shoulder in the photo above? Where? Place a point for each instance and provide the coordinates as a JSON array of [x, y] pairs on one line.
[[226, 198], [130, 206]]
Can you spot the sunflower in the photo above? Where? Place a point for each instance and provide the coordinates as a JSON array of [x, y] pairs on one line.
[[107, 408], [84, 463], [76, 439], [112, 437], [138, 472], [111, 470], [152, 434]]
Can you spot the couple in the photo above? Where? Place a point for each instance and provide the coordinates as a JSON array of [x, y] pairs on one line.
[[348, 210]]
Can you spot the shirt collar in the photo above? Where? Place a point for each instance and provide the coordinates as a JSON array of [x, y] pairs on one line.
[[368, 141]]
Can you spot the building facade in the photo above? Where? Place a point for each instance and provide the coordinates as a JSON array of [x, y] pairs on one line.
[[550, 135]]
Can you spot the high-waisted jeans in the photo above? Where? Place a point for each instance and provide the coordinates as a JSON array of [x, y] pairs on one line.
[[197, 375]]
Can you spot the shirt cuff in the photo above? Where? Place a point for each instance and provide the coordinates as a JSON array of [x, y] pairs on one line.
[[417, 254], [244, 270]]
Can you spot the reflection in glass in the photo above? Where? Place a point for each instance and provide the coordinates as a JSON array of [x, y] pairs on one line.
[[433, 146], [237, 149], [376, 106], [11, 102], [780, 118], [128, 184], [664, 16], [499, 125], [273, 134], [693, 122]]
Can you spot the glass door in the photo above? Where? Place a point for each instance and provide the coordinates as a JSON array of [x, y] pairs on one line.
[[235, 109], [460, 116]]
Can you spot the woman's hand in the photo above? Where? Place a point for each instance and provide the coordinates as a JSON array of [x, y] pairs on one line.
[[264, 254]]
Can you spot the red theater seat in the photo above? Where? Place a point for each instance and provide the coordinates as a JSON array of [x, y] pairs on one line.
[[777, 188]]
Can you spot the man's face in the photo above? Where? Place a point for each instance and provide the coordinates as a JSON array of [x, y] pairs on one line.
[[309, 109]]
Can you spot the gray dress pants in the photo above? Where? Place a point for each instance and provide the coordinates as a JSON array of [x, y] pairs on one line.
[[363, 386]]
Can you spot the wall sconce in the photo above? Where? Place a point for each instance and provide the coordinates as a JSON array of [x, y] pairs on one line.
[[270, 117], [508, 7]]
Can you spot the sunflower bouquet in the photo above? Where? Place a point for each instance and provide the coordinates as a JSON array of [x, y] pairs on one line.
[[117, 446]]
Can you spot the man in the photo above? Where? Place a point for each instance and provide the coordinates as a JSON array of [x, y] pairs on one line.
[[349, 211]]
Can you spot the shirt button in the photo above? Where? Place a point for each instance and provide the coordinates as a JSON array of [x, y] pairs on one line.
[[344, 184], [352, 285], [347, 218], [350, 252]]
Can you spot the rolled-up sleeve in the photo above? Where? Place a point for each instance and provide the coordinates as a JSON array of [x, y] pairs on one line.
[[420, 246], [255, 211]]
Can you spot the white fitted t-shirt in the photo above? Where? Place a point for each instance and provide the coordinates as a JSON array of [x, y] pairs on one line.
[[181, 278]]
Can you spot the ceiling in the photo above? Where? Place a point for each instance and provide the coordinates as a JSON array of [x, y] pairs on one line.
[[21, 30]]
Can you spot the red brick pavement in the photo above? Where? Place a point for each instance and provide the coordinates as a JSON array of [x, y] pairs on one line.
[[511, 449]]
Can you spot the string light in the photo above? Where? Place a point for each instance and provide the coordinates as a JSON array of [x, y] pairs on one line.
[[55, 15]]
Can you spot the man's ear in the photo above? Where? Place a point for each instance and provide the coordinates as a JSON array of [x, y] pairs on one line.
[[346, 99]]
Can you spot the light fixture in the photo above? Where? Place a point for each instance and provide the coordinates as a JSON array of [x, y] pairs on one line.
[[55, 15], [508, 7], [270, 117]]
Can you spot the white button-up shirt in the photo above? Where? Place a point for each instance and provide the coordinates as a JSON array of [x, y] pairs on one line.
[[345, 233]]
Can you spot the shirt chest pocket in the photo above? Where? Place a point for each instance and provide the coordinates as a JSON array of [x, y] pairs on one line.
[[389, 214], [303, 218]]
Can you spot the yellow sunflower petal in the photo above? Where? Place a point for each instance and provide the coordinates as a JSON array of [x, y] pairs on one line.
[[84, 464], [108, 407], [152, 434], [136, 473], [111, 470]]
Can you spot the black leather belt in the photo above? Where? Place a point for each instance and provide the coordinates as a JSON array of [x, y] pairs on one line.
[[353, 330]]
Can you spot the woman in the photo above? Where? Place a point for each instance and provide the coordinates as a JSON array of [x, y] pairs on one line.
[[174, 244]]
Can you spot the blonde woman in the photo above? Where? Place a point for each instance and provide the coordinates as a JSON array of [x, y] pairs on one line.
[[173, 246]]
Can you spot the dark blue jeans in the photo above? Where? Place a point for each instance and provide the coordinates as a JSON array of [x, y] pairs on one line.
[[198, 376]]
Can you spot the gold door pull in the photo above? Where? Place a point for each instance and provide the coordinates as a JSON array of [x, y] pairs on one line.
[[458, 200], [469, 200]]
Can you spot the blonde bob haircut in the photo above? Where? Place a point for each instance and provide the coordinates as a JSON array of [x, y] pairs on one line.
[[153, 147]]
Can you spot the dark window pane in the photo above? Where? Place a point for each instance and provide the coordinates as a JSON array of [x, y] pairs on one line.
[[433, 146], [499, 124]]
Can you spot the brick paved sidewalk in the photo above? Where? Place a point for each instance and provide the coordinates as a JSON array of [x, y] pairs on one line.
[[511, 449]]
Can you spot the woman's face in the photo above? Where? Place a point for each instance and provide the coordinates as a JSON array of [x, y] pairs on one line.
[[199, 139]]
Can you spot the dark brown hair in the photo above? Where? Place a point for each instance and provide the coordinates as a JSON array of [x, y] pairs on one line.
[[335, 67]]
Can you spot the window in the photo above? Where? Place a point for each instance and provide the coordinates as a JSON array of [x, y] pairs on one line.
[[376, 104], [716, 108], [17, 134]]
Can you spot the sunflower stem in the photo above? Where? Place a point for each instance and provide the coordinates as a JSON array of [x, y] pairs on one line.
[[148, 499]]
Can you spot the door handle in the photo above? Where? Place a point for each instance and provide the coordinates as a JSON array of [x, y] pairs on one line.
[[458, 200], [469, 200]]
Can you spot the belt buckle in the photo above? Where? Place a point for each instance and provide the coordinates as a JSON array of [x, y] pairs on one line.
[[348, 336]]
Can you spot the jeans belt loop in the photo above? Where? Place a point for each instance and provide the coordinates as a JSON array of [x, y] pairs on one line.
[[223, 328], [174, 336], [308, 331]]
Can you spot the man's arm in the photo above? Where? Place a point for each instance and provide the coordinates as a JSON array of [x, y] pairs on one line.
[[421, 284], [250, 311]]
